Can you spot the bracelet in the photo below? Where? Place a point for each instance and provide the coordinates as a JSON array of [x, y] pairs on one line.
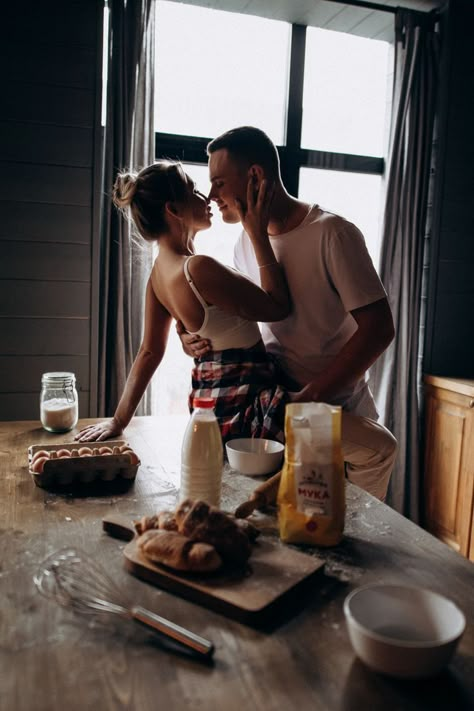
[[269, 264]]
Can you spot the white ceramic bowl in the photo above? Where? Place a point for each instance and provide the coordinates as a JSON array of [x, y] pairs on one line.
[[254, 456], [403, 631]]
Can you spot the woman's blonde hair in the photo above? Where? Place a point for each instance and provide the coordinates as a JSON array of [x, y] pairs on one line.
[[142, 196]]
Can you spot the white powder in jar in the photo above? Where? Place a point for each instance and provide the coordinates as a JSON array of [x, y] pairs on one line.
[[58, 415]]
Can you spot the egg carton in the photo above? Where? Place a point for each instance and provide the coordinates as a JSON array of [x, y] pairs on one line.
[[101, 471]]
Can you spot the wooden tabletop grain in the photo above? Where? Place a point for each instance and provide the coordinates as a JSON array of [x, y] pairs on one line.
[[53, 660]]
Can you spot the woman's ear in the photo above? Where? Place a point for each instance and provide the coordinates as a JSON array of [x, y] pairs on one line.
[[172, 209]]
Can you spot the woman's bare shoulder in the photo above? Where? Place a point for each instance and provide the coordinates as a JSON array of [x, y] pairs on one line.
[[203, 264]]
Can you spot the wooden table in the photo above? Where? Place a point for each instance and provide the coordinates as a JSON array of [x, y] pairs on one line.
[[52, 660]]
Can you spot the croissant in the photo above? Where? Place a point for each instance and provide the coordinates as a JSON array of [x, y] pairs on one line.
[[175, 551]]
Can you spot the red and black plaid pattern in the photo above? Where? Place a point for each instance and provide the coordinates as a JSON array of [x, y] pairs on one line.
[[242, 382]]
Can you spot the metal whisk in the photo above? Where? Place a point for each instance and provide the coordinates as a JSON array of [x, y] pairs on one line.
[[74, 580]]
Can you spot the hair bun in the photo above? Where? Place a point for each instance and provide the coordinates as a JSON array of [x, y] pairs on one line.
[[124, 189]]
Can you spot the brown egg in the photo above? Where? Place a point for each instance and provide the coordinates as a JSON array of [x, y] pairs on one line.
[[63, 453], [124, 448], [105, 450], [38, 465], [40, 453], [133, 457], [85, 452]]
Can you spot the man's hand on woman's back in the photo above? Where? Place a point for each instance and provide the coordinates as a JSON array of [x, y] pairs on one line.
[[193, 345]]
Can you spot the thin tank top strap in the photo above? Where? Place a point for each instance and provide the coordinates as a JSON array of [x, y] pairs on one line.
[[193, 285]]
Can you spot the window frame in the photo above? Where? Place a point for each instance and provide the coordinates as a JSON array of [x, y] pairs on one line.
[[192, 149]]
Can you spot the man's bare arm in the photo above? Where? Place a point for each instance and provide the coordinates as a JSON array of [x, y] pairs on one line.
[[374, 333]]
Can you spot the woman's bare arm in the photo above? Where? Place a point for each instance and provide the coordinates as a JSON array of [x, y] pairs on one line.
[[152, 349]]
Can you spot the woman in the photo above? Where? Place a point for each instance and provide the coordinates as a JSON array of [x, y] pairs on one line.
[[208, 298]]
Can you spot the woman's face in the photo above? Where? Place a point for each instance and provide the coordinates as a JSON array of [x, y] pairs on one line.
[[198, 207]]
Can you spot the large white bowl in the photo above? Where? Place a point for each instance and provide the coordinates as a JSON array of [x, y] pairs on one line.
[[254, 456], [403, 631]]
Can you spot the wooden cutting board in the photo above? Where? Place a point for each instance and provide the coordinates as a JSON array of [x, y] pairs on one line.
[[277, 579]]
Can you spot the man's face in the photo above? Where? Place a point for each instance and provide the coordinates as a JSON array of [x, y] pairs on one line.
[[229, 180]]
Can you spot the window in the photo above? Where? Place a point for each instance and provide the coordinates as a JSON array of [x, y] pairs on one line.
[[321, 96], [345, 79], [352, 195], [219, 69]]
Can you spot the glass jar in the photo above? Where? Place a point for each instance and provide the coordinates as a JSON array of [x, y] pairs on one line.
[[58, 402]]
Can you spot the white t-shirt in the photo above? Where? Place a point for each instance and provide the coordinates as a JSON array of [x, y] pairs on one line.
[[329, 273]]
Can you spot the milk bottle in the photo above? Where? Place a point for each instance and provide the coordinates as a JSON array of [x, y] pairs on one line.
[[202, 455]]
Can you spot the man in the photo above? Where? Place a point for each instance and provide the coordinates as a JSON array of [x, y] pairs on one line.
[[340, 321]]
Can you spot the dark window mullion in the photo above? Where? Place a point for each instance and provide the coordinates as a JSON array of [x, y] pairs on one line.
[[189, 149], [289, 155], [349, 162]]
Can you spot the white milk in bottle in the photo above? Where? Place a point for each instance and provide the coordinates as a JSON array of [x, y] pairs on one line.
[[202, 455]]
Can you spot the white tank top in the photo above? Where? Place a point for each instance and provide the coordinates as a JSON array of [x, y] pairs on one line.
[[223, 329]]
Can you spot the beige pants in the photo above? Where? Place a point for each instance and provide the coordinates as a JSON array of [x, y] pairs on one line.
[[369, 450]]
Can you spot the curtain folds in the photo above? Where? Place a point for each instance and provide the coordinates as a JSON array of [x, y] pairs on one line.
[[396, 376], [129, 144]]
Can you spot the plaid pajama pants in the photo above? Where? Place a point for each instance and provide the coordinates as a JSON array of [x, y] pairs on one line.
[[248, 400]]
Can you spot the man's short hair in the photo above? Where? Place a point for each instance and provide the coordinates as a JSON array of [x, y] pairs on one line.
[[249, 145]]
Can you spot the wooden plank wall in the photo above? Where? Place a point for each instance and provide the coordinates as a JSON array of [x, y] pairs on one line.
[[450, 317], [48, 225]]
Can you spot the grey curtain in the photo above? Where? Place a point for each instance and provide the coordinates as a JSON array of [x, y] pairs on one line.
[[129, 144], [396, 376]]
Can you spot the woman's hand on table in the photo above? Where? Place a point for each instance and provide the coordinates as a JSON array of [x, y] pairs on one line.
[[99, 431]]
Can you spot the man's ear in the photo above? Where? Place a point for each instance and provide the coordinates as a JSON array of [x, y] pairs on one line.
[[256, 171]]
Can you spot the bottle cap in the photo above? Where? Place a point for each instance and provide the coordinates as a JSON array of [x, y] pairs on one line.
[[203, 402]]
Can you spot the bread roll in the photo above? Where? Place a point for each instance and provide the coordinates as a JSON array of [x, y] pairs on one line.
[[146, 523], [164, 519], [175, 551], [207, 524], [251, 531]]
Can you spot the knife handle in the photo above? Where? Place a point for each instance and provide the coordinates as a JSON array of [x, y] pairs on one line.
[[118, 526]]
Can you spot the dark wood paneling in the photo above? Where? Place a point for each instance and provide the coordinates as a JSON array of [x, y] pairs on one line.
[[71, 22], [45, 261], [458, 179], [45, 183], [23, 374], [37, 221], [49, 299], [46, 64], [43, 336], [455, 276], [453, 344], [43, 143], [25, 406], [450, 317], [457, 218], [50, 151], [40, 103]]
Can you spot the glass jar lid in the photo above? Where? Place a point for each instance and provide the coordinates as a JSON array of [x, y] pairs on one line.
[[58, 380]]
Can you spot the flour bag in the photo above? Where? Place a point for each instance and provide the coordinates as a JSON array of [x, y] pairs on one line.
[[311, 496]]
